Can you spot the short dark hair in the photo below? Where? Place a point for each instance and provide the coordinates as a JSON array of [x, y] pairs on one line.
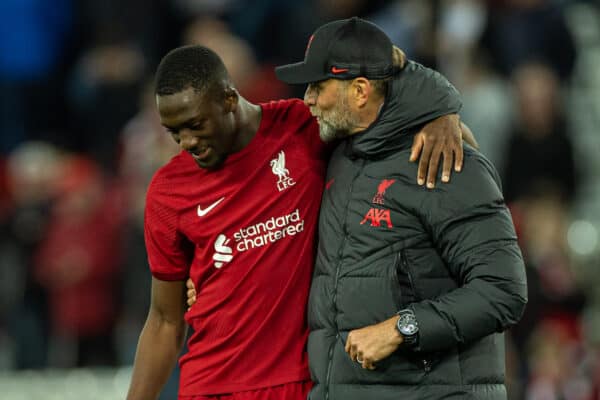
[[192, 66]]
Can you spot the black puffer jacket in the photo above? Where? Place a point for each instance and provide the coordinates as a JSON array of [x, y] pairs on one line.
[[385, 243]]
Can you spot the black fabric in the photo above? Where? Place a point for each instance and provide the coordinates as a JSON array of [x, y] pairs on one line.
[[343, 49], [416, 95], [450, 254]]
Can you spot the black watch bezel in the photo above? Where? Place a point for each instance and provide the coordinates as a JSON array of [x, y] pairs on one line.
[[408, 327]]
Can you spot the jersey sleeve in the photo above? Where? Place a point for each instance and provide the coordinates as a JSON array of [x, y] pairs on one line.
[[169, 252]]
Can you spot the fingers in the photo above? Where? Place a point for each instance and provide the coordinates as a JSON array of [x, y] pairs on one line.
[[447, 166], [434, 162], [190, 293], [439, 138], [189, 283], [368, 364], [430, 161], [458, 158], [416, 148], [365, 362], [356, 355], [348, 345], [424, 162], [191, 297], [350, 348]]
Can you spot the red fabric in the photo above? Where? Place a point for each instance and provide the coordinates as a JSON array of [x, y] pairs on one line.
[[78, 260], [289, 391], [249, 320]]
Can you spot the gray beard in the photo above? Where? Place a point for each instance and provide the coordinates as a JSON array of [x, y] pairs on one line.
[[329, 133]]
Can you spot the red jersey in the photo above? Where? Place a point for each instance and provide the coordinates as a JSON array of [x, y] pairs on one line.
[[245, 234]]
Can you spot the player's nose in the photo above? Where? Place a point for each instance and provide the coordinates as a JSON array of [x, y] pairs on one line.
[[187, 141], [309, 97]]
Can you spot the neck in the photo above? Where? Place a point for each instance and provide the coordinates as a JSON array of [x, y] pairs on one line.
[[247, 119]]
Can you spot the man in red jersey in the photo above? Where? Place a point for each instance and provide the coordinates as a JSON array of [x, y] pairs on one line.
[[236, 211]]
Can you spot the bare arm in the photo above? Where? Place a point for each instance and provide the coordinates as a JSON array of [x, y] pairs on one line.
[[160, 342]]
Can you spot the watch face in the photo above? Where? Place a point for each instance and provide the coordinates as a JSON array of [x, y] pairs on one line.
[[407, 325], [409, 329]]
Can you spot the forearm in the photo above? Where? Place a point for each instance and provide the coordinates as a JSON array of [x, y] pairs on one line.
[[468, 313], [158, 348], [482, 254]]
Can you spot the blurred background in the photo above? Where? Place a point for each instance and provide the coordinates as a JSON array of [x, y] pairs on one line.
[[80, 140]]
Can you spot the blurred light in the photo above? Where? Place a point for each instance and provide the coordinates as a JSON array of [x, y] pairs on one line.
[[81, 381], [121, 380], [582, 237]]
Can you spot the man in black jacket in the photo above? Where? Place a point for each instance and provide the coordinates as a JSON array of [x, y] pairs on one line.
[[412, 288]]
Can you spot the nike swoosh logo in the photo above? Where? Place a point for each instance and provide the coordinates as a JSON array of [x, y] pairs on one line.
[[203, 212], [336, 70]]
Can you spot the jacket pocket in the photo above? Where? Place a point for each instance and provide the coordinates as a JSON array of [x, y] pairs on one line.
[[404, 279], [367, 295]]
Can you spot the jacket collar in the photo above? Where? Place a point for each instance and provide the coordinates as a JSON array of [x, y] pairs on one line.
[[415, 95]]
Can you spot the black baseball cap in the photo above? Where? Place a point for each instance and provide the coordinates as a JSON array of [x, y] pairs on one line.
[[343, 49]]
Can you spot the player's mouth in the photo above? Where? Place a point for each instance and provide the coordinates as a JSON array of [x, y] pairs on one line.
[[202, 154]]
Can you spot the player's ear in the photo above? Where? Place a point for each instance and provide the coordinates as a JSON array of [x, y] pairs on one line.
[[360, 89], [231, 99]]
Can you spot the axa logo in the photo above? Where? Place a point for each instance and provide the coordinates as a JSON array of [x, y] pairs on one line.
[[386, 183], [223, 253], [378, 216], [278, 168]]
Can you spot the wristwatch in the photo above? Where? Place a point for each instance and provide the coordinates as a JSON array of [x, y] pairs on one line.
[[408, 327]]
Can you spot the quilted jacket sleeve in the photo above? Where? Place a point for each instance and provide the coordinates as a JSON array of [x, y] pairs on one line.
[[473, 232]]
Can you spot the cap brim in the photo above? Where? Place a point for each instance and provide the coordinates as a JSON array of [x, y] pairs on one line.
[[299, 73]]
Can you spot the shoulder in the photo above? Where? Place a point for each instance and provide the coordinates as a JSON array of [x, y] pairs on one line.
[[291, 119], [170, 176], [478, 170], [288, 109], [395, 165], [477, 185]]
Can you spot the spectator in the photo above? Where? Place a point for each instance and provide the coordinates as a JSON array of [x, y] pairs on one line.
[[107, 77], [77, 263], [540, 156], [520, 31], [32, 169], [34, 41]]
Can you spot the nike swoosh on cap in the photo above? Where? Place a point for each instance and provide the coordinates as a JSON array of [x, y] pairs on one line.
[[202, 212], [337, 70]]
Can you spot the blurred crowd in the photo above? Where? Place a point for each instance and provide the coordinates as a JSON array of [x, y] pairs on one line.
[[81, 139]]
